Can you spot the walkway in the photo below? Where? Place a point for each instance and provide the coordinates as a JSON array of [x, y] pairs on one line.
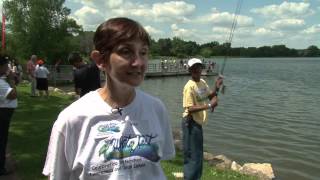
[[154, 69]]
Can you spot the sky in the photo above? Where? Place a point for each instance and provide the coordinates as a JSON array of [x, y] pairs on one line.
[[294, 23]]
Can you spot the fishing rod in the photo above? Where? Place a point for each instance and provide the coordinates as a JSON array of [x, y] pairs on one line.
[[229, 41]]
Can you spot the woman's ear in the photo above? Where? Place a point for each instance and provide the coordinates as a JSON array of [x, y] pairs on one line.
[[98, 59]]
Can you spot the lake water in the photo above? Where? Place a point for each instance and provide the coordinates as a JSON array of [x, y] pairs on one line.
[[269, 113]]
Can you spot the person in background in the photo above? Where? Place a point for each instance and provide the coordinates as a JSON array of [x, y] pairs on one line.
[[117, 131], [196, 93], [17, 70], [86, 76], [31, 67], [41, 73], [57, 67], [8, 103]]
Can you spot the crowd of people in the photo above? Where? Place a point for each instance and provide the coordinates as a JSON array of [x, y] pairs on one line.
[[182, 64], [114, 130]]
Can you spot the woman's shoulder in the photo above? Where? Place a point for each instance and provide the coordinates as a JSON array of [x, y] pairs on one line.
[[85, 102], [146, 97], [81, 107], [77, 113]]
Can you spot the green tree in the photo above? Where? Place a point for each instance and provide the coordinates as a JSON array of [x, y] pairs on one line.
[[206, 52], [191, 48], [280, 50], [265, 51], [165, 46], [177, 47], [40, 27], [208, 49], [312, 51], [85, 42], [182, 49], [210, 44]]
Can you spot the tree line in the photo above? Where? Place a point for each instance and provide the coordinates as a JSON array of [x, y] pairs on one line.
[[46, 29], [180, 48]]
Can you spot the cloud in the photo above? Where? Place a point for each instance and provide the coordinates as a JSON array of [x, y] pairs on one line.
[[223, 34], [221, 30], [225, 19], [183, 33], [285, 10], [172, 8], [265, 32], [95, 3], [92, 2], [288, 24], [88, 17], [244, 36], [315, 29], [153, 31], [108, 8], [244, 33], [172, 12], [133, 10], [114, 3]]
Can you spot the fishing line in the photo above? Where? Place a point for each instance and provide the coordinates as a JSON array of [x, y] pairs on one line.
[[229, 41]]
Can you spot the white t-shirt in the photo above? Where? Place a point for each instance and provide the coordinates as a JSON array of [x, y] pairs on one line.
[[90, 142], [41, 72], [5, 89]]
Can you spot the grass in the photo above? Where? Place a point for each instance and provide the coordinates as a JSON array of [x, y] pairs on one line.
[[30, 130], [31, 127]]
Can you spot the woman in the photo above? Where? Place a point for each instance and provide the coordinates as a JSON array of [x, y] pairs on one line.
[[117, 131], [18, 71], [41, 73]]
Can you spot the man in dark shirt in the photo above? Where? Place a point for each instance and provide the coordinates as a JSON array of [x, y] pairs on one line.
[[86, 76]]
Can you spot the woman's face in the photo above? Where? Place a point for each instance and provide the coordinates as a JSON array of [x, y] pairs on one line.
[[128, 62]]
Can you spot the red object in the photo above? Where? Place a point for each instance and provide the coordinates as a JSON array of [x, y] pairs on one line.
[[3, 31], [40, 62]]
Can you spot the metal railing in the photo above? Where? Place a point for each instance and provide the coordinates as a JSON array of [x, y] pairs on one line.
[[65, 72]]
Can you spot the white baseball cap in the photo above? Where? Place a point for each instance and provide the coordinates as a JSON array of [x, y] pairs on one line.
[[194, 61]]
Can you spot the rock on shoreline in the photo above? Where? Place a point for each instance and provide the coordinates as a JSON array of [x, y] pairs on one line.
[[263, 171]]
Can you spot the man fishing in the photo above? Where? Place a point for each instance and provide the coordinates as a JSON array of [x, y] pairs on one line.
[[196, 93]]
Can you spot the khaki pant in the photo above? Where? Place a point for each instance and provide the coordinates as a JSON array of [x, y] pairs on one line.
[[33, 85]]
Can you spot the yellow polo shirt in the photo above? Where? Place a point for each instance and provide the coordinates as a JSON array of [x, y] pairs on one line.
[[196, 93]]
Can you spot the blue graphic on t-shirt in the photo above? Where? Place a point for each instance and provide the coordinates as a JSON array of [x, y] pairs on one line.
[[111, 127], [131, 145]]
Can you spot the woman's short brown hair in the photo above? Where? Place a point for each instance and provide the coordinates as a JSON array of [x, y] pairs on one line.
[[115, 31]]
